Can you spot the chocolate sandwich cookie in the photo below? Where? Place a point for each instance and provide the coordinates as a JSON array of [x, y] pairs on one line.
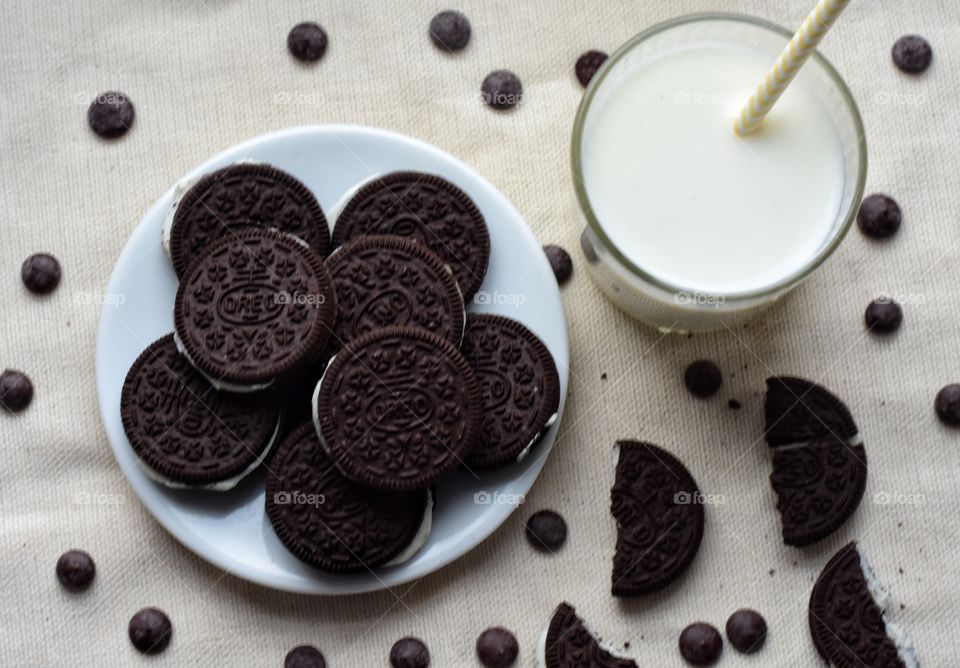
[[798, 410], [425, 208], [258, 307], [383, 281], [238, 196], [333, 523], [185, 432], [819, 486], [398, 409], [660, 519], [847, 621], [819, 460], [567, 643], [520, 386]]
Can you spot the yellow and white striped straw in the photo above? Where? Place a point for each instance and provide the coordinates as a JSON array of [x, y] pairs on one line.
[[803, 44]]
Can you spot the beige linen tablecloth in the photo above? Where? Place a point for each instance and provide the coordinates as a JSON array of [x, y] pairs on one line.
[[207, 74]]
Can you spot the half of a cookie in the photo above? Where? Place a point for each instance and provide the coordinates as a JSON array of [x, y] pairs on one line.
[[333, 523], [847, 621], [660, 518], [520, 385], [240, 195], [567, 643], [185, 432], [819, 461]]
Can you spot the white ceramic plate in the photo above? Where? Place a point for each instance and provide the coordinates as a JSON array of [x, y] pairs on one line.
[[230, 529]]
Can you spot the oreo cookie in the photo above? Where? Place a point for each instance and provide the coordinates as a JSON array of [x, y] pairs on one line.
[[257, 307], [846, 617], [567, 643], [425, 208], [384, 281], [798, 410], [660, 519], [398, 409], [333, 523], [520, 386], [819, 461], [187, 434], [241, 195]]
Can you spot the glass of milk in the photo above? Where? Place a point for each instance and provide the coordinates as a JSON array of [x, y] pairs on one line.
[[690, 227]]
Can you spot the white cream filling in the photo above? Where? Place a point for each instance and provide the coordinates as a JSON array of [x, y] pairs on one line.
[[179, 191], [526, 451], [216, 382], [220, 485], [905, 648]]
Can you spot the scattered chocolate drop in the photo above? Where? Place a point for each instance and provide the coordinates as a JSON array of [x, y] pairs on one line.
[[701, 644], [703, 378], [546, 531], [746, 631], [75, 570], [560, 262], [883, 316], [307, 42], [587, 65], [734, 404], [502, 89], [879, 216], [40, 273], [497, 648], [409, 653], [16, 391], [111, 114], [304, 656], [912, 54], [450, 30], [150, 630], [947, 405]]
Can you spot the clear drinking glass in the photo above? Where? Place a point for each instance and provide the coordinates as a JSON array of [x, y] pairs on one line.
[[677, 307]]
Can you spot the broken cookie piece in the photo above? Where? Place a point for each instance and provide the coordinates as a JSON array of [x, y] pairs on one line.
[[819, 461], [846, 615], [660, 518], [567, 643]]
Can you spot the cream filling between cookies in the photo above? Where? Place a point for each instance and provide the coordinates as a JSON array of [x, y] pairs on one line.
[[218, 383], [536, 439], [905, 648], [220, 485]]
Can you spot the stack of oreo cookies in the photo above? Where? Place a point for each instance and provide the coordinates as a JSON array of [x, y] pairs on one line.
[[355, 373]]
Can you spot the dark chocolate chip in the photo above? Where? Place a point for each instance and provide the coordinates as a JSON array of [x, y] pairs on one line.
[[307, 42], [409, 653], [40, 273], [883, 316], [111, 114], [912, 54], [948, 405], [497, 648], [502, 89], [703, 378], [746, 631], [560, 262], [546, 531], [450, 30], [587, 65], [734, 404], [16, 391], [879, 216], [304, 656], [75, 570], [150, 630], [701, 644]]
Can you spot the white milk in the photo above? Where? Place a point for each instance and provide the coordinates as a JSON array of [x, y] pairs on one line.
[[691, 203]]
